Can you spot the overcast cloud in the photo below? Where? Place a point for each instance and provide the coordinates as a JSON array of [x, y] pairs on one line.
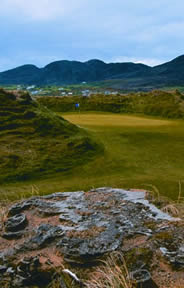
[[41, 31]]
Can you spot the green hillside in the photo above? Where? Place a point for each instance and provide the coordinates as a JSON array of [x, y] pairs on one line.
[[35, 141], [125, 76]]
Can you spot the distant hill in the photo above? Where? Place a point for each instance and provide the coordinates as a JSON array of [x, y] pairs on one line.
[[173, 70], [35, 141], [115, 75], [71, 72]]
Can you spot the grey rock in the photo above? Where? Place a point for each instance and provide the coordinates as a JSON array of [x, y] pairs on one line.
[[3, 268], [13, 235], [84, 227], [109, 218], [45, 234], [16, 223], [142, 279], [19, 207], [10, 270], [86, 250], [175, 257]]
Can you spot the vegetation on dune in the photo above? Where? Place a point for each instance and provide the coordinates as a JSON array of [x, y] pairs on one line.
[[158, 103], [36, 141], [137, 151]]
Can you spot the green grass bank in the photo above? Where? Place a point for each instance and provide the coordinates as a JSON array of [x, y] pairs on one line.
[[138, 151], [36, 142], [155, 103]]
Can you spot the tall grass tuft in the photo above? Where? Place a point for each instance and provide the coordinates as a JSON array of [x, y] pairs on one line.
[[112, 274], [171, 207]]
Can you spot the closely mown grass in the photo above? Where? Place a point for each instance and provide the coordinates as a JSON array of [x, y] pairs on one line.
[[138, 151]]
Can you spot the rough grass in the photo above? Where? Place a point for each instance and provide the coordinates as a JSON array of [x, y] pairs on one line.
[[138, 151], [36, 142], [113, 274], [157, 103]]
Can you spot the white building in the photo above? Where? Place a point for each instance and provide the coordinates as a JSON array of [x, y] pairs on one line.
[[34, 92], [86, 93], [30, 87]]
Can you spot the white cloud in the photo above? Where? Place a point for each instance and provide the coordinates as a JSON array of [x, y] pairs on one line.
[[39, 9], [147, 32]]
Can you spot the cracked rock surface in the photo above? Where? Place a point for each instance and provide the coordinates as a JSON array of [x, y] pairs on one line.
[[79, 228]]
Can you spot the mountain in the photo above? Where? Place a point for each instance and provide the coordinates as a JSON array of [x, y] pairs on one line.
[[71, 72], [35, 141], [117, 75], [21, 75], [173, 70]]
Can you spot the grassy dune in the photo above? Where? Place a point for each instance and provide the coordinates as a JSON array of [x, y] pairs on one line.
[[154, 103], [138, 151], [35, 142]]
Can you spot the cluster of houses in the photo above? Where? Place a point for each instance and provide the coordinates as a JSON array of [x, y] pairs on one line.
[[33, 90], [88, 93]]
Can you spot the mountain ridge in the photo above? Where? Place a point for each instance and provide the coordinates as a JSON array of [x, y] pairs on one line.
[[74, 72]]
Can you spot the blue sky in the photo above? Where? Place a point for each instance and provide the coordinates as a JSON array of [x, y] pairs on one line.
[[43, 31]]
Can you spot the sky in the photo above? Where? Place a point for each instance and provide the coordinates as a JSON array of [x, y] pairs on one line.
[[42, 31]]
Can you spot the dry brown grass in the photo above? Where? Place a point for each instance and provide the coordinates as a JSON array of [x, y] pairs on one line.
[[173, 208], [93, 232], [5, 203], [83, 213], [113, 274], [4, 206], [3, 214]]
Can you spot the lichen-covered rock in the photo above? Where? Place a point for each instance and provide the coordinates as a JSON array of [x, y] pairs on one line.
[[79, 228]]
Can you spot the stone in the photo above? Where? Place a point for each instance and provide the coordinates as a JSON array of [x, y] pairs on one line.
[[16, 223], [176, 257], [3, 268], [45, 234], [142, 279], [81, 228], [19, 207], [13, 235]]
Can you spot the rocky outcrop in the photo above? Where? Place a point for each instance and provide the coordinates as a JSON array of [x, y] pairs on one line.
[[77, 229]]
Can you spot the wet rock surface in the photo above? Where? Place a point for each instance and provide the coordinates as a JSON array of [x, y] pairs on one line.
[[79, 228]]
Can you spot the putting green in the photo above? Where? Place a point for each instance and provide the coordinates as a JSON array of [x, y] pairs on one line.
[[108, 120]]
